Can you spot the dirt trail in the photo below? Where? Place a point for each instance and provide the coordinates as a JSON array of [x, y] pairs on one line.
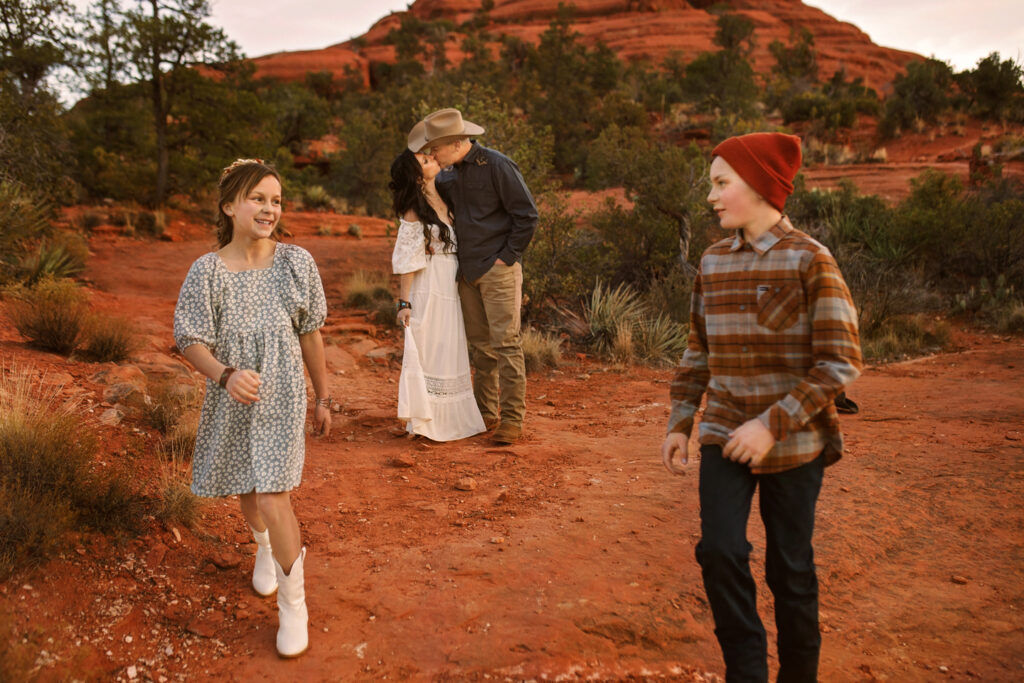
[[572, 556]]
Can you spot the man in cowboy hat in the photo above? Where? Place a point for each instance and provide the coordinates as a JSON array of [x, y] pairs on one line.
[[495, 216]]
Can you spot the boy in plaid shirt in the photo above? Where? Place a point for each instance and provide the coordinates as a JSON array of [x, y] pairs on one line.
[[773, 341]]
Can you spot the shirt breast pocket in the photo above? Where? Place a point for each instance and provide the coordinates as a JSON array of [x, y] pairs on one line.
[[778, 306]]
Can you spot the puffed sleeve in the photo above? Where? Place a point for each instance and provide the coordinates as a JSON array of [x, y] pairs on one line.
[[308, 306], [195, 315], [410, 252]]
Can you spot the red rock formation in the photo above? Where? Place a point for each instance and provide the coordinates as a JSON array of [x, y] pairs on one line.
[[634, 29], [293, 66]]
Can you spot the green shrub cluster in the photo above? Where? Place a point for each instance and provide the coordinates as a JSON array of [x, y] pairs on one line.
[[53, 314]]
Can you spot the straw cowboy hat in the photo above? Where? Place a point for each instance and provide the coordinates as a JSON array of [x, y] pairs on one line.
[[444, 126]]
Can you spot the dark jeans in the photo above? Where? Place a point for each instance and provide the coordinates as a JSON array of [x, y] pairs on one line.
[[787, 509]]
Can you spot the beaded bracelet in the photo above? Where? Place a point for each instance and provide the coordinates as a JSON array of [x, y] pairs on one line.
[[326, 402]]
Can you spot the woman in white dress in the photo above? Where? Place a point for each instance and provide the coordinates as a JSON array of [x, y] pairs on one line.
[[435, 392]]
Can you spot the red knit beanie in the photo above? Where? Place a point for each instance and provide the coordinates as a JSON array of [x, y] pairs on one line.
[[768, 162]]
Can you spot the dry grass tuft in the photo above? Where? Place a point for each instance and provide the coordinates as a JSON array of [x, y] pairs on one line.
[[540, 350], [48, 485], [108, 338], [364, 288], [177, 505]]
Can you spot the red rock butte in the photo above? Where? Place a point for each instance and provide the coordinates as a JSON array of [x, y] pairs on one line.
[[634, 29]]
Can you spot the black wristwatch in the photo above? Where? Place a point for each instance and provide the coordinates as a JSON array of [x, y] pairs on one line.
[[402, 303]]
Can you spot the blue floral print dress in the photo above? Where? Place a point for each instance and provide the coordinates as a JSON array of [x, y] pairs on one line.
[[251, 320]]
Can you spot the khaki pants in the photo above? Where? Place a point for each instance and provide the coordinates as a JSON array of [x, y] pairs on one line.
[[490, 307]]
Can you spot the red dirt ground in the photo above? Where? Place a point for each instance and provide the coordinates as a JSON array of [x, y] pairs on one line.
[[571, 559]]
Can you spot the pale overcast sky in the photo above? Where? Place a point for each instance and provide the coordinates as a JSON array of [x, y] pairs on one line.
[[958, 31]]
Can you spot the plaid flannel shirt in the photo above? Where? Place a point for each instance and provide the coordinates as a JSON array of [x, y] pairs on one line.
[[773, 336]]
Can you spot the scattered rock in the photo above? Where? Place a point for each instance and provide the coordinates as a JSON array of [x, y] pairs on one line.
[[111, 417], [338, 358], [57, 378], [127, 393], [960, 580], [156, 554], [226, 560], [383, 353], [178, 613], [155, 363], [403, 460], [497, 540], [206, 625], [132, 672], [362, 347], [466, 484], [121, 374]]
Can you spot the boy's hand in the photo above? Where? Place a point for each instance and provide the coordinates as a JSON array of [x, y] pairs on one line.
[[244, 386], [675, 444], [749, 443], [321, 421]]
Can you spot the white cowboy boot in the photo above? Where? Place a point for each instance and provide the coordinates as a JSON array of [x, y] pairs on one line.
[[292, 636], [264, 578]]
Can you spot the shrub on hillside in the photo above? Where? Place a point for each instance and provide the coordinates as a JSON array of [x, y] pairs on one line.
[[921, 93], [905, 337], [151, 223], [52, 314], [995, 304], [994, 88], [316, 198], [48, 484]]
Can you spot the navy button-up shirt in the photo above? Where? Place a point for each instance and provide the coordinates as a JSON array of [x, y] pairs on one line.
[[495, 214]]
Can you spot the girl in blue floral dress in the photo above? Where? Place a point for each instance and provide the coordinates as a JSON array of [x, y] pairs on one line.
[[248, 317]]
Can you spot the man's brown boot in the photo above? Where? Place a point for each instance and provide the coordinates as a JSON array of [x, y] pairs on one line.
[[507, 433]]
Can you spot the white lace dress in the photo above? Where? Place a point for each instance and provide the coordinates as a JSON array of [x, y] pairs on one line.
[[435, 392]]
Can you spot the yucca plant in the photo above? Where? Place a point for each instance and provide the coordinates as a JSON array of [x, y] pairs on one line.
[[609, 311], [53, 260], [660, 340], [23, 218]]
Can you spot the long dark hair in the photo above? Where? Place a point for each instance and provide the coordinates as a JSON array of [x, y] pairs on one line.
[[236, 180], [407, 194]]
